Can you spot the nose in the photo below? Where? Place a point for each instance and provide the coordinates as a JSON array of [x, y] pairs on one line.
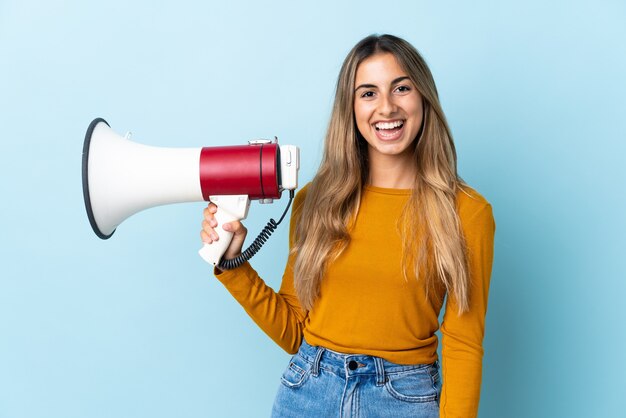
[[387, 106]]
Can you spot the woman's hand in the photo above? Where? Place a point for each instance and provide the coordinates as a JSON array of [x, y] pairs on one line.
[[209, 234]]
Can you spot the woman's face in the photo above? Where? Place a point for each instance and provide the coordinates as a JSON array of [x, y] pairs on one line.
[[387, 108]]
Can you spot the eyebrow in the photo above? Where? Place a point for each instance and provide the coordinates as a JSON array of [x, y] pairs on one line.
[[369, 86]]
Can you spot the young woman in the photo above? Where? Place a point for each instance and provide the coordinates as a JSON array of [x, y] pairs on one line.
[[384, 231]]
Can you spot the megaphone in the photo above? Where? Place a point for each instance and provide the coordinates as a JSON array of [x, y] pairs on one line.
[[122, 177]]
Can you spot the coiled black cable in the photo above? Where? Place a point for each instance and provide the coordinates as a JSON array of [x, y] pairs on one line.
[[257, 243]]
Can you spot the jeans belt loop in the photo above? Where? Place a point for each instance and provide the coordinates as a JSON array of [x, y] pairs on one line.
[[380, 371], [315, 370]]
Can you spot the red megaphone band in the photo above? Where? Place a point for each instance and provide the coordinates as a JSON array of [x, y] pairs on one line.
[[240, 170]]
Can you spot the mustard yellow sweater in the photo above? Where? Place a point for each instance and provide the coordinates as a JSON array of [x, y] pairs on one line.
[[366, 306]]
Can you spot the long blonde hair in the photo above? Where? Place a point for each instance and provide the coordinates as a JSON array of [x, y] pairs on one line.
[[333, 197]]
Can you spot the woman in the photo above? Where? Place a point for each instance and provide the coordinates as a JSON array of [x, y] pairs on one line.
[[384, 231]]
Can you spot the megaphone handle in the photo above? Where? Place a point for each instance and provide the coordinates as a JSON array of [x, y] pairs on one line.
[[212, 253]]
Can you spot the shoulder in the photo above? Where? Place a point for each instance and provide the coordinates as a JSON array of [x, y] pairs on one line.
[[468, 198], [473, 206]]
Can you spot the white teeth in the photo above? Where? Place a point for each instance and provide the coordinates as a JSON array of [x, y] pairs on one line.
[[389, 125]]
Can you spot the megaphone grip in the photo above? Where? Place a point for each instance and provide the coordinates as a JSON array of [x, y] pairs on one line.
[[257, 243], [212, 253], [252, 249]]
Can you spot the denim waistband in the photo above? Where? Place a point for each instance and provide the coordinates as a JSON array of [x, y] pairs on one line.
[[355, 364]]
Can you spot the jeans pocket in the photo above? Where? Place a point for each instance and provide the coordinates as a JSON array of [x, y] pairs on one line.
[[296, 373], [412, 386]]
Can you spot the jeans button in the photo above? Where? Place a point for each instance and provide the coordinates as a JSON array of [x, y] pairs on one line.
[[352, 365]]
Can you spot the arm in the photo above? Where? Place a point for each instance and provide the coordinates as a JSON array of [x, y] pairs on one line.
[[278, 314], [462, 336]]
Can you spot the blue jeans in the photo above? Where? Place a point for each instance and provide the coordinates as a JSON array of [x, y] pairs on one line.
[[320, 383]]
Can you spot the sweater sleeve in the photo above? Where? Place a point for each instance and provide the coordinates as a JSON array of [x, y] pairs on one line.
[[462, 335], [278, 314]]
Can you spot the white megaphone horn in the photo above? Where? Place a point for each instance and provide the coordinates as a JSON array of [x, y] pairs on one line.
[[122, 177]]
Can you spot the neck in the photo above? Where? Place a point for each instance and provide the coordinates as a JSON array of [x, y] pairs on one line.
[[392, 173]]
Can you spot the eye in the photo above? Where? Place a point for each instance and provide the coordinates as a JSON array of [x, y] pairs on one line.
[[367, 94], [403, 89]]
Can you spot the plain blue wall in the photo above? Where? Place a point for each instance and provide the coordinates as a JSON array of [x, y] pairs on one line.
[[137, 326]]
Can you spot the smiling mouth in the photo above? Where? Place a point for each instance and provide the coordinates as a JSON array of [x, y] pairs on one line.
[[389, 126], [389, 131]]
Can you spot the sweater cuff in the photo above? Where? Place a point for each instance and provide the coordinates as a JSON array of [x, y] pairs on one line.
[[230, 278]]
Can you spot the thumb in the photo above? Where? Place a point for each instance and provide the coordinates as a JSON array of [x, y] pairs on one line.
[[239, 235]]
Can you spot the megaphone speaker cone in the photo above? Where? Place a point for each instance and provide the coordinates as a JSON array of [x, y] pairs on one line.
[[86, 146]]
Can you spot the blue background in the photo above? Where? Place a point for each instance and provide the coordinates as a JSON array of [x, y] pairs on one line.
[[137, 326]]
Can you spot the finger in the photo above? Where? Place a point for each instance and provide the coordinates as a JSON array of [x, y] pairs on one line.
[[212, 222], [207, 228], [205, 237], [208, 216], [239, 236], [207, 213], [235, 227]]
